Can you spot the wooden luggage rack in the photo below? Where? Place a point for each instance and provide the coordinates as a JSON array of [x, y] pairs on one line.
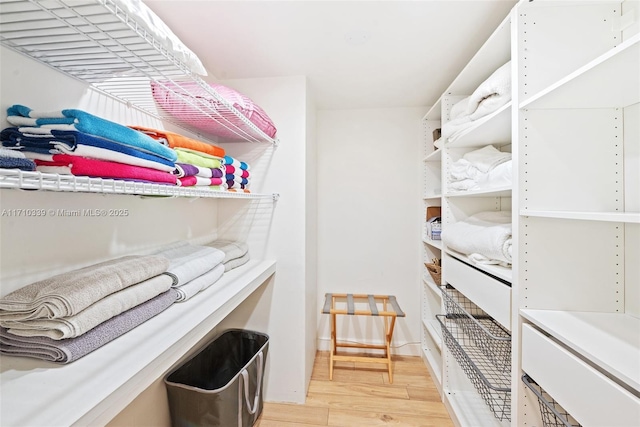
[[390, 310]]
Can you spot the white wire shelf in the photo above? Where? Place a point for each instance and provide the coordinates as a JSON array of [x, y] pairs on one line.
[[97, 42], [12, 178]]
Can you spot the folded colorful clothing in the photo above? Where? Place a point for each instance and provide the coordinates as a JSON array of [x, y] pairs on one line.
[[70, 119], [69, 293], [175, 140], [185, 169], [237, 171], [228, 160], [84, 145], [236, 178], [98, 312], [196, 159], [190, 181], [72, 349], [66, 164]]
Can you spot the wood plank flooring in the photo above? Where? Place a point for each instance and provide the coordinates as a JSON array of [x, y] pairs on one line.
[[360, 395]]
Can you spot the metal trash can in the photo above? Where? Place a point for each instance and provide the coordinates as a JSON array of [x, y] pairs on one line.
[[221, 385]]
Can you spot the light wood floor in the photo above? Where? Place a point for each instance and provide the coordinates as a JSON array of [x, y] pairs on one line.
[[360, 395]]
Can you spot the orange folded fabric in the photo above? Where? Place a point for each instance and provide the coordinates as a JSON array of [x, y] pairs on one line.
[[175, 140]]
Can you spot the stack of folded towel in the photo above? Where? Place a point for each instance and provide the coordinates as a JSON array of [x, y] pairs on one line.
[[481, 169], [237, 174], [198, 164], [488, 97], [235, 253], [69, 315], [485, 237], [11, 159], [74, 142], [192, 268]]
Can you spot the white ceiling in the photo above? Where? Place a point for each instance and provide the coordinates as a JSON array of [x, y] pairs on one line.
[[356, 54]]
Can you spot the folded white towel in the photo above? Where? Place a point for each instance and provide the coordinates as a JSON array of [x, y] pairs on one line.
[[190, 261], [486, 158], [199, 284], [485, 237], [231, 249], [497, 86]]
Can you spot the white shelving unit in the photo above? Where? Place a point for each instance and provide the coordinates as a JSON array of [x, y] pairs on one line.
[[93, 389], [573, 294], [570, 306], [467, 404]]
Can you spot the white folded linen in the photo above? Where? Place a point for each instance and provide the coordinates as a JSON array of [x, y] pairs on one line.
[[486, 158], [485, 237], [494, 91]]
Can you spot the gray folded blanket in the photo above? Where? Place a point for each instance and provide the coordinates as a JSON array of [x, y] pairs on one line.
[[69, 350], [69, 293], [190, 261], [102, 310], [232, 249]]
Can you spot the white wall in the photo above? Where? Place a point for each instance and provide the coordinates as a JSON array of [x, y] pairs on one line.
[[282, 312], [369, 216]]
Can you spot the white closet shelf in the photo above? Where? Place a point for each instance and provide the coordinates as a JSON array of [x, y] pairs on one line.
[[95, 41], [493, 192], [95, 388], [469, 409], [426, 278], [609, 340], [609, 81], [494, 128], [435, 243], [12, 178], [434, 157], [504, 273], [494, 53], [434, 112], [432, 196], [433, 328], [625, 217]]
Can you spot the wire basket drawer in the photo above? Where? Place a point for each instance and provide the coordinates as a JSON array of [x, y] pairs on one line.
[[553, 415], [493, 340], [493, 385]]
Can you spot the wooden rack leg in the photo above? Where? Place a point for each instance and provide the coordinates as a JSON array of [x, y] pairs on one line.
[[388, 338], [333, 346]]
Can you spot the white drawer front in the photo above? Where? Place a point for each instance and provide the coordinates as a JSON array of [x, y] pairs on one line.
[[489, 294], [589, 396]]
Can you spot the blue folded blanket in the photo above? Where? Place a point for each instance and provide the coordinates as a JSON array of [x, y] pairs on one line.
[[70, 119], [65, 141]]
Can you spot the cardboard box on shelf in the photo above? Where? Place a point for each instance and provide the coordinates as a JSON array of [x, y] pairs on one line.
[[433, 211]]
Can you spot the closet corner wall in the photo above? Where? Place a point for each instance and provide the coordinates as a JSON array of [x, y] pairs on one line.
[[572, 293]]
